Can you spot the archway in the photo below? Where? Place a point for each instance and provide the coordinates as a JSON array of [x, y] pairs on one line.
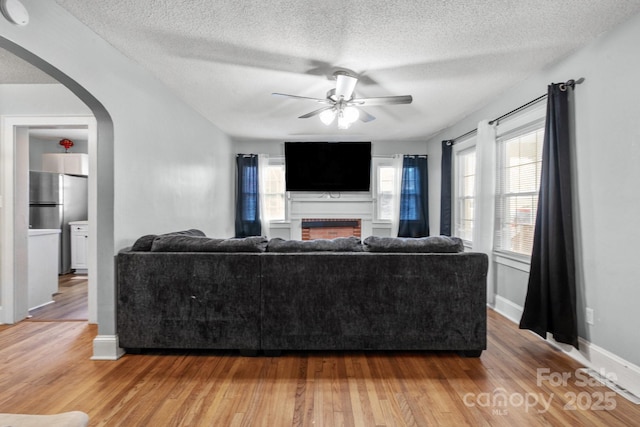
[[105, 344]]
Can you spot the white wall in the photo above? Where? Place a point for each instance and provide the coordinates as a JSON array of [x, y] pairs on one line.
[[607, 155], [160, 165], [39, 146], [358, 205], [378, 148], [40, 100]]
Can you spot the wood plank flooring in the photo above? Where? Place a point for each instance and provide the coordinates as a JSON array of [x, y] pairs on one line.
[[45, 367]]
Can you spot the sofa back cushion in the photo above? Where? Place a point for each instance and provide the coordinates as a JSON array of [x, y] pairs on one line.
[[185, 243], [145, 242], [431, 244], [339, 244]]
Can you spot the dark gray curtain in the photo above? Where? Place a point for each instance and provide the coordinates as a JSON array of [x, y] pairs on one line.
[[247, 196], [550, 305], [414, 197], [445, 191]]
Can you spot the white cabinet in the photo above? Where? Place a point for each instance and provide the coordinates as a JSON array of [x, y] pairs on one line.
[[79, 246], [43, 266], [68, 163]]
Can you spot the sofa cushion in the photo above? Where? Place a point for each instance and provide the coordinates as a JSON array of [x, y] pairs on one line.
[[431, 244], [145, 242], [186, 243], [339, 244]]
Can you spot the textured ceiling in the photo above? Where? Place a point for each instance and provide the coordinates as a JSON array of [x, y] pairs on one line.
[[225, 57], [14, 70]]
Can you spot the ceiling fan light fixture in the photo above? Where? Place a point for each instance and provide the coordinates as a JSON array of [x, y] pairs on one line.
[[328, 116], [342, 102], [351, 114], [342, 122]]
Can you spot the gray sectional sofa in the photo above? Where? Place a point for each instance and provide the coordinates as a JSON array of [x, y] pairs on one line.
[[187, 291]]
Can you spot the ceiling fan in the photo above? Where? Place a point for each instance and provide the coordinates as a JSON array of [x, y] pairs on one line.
[[343, 104]]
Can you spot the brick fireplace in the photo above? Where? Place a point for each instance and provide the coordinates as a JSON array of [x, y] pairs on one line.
[[330, 228]]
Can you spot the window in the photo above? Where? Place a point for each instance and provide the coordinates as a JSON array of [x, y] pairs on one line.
[[518, 182], [386, 187], [274, 192], [386, 184], [465, 169]]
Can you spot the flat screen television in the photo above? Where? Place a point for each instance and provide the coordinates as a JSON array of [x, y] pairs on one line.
[[327, 166]]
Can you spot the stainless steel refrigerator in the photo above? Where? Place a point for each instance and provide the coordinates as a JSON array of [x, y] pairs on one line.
[[55, 200]]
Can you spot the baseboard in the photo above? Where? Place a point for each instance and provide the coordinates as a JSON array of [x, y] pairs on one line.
[[105, 347], [41, 305], [508, 309], [621, 372], [627, 375]]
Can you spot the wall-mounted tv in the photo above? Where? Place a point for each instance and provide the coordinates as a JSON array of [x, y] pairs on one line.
[[327, 166]]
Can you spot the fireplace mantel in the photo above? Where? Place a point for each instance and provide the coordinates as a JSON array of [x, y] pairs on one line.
[[328, 206]]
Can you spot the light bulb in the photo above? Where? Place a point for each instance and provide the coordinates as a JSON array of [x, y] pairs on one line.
[[327, 116], [343, 123], [351, 114]]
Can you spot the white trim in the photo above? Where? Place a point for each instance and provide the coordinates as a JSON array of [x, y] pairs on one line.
[[41, 305], [512, 261], [280, 224], [381, 224], [465, 143], [92, 250], [527, 118], [105, 347], [627, 375], [508, 309], [7, 149]]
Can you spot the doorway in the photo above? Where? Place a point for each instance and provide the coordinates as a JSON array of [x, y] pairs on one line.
[[59, 154], [15, 178]]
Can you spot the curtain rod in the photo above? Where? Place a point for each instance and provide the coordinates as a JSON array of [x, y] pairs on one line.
[[563, 86]]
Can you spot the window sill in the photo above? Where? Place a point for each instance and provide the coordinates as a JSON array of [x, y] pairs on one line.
[[519, 262], [381, 224], [279, 224]]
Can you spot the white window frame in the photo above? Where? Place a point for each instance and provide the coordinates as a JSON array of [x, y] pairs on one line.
[[529, 120], [459, 147], [279, 161], [378, 163]]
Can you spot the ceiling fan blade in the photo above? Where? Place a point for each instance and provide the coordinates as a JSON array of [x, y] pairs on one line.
[[345, 85], [365, 117], [383, 100], [323, 101], [316, 112]]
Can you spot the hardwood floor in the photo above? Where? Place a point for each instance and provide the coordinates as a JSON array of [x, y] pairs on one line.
[[45, 367], [70, 303]]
